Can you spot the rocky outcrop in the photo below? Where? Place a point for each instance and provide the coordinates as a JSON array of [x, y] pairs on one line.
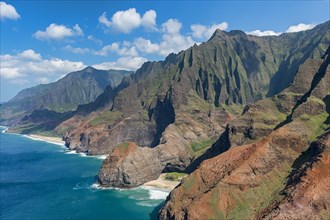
[[307, 186], [173, 153], [250, 180]]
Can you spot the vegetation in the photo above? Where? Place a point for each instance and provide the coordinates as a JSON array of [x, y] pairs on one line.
[[200, 147], [123, 148], [106, 117], [175, 176]]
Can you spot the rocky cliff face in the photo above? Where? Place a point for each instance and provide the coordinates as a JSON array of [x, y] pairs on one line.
[[270, 174], [174, 110]]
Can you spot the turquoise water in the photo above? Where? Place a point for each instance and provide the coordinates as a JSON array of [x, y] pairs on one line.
[[40, 181]]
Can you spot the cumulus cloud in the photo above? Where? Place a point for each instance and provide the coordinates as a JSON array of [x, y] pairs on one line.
[[291, 29], [205, 32], [95, 40], [122, 49], [260, 33], [126, 21], [172, 26], [146, 46], [76, 50], [123, 63], [29, 65], [8, 12], [30, 55], [299, 27], [58, 32], [172, 41]]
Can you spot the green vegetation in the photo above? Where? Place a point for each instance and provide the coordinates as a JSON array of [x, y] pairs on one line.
[[106, 117], [234, 109], [123, 148], [254, 200], [175, 176], [316, 123], [200, 147], [217, 213], [189, 183]]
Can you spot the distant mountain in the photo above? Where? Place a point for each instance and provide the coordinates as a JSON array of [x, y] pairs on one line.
[[64, 95]]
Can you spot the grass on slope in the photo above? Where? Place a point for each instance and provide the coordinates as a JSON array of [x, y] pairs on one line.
[[175, 176], [106, 117]]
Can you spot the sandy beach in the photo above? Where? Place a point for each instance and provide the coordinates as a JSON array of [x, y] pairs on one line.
[[162, 183], [56, 140]]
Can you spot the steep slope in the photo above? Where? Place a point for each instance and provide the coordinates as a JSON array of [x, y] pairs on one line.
[[250, 180], [175, 109], [64, 95]]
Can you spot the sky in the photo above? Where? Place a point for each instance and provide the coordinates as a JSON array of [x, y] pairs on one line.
[[42, 41]]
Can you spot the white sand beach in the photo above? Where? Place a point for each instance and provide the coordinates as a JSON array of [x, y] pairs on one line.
[[55, 140], [162, 183]]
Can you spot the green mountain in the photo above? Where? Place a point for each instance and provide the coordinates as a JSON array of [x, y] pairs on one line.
[[64, 95], [174, 110], [238, 113], [282, 174]]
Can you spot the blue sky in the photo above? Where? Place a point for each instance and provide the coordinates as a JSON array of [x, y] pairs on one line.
[[41, 41]]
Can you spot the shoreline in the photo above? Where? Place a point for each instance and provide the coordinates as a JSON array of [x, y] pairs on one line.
[[53, 140], [162, 183]]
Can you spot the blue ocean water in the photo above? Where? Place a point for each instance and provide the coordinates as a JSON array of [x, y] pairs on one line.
[[40, 181]]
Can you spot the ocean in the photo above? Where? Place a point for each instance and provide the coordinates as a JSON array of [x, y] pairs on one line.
[[41, 180]]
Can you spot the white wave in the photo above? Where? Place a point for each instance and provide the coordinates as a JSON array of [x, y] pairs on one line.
[[82, 154], [5, 129], [147, 203], [98, 186], [156, 193], [71, 152], [102, 157]]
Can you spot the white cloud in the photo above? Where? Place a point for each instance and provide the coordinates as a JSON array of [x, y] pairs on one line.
[[122, 49], [126, 21], [30, 55], [291, 29], [171, 26], [8, 11], [260, 33], [172, 42], [205, 32], [95, 40], [149, 20], [29, 65], [58, 32], [42, 80], [123, 63], [76, 50], [145, 45], [299, 27]]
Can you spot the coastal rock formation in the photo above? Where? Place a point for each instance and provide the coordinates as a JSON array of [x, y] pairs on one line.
[[192, 96], [250, 180]]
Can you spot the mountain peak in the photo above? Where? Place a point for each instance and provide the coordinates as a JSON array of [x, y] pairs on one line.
[[218, 33], [89, 69]]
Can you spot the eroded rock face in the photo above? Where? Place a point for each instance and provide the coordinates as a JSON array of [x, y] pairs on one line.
[[250, 181], [308, 186], [241, 182]]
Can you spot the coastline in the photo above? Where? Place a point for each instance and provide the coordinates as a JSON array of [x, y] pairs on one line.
[[162, 183], [53, 140]]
